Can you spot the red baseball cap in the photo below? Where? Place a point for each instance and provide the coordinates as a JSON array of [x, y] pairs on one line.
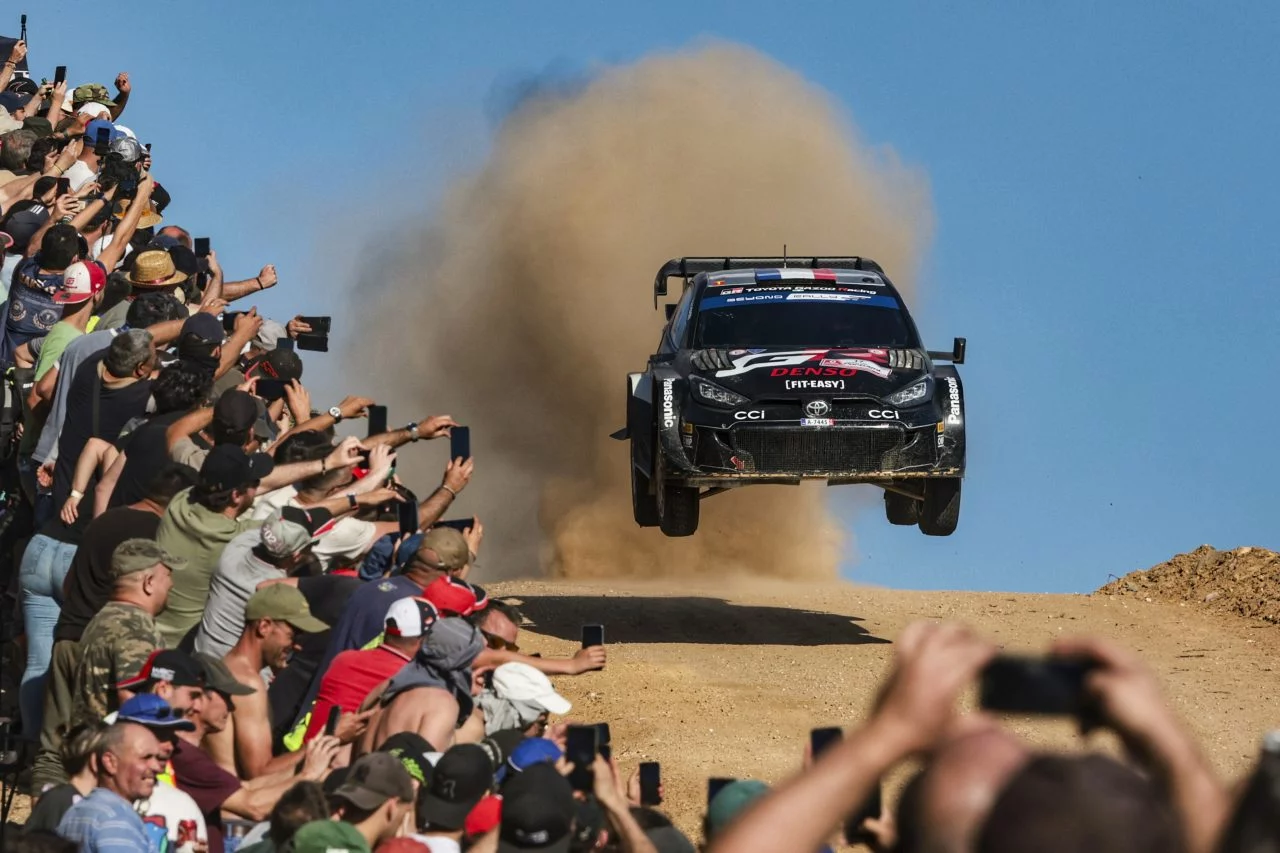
[[485, 817], [452, 597], [80, 283]]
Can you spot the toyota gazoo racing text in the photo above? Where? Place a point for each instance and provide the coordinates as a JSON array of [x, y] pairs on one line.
[[777, 370]]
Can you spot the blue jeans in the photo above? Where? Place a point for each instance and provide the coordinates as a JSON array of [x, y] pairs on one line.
[[44, 566]]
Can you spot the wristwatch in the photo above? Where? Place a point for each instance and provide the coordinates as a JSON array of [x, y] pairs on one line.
[[413, 431], [335, 413]]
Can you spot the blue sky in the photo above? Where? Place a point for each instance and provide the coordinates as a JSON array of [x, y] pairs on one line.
[[1104, 179]]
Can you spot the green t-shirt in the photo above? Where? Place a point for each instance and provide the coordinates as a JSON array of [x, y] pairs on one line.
[[55, 342]]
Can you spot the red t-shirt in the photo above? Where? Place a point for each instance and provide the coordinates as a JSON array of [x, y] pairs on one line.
[[349, 681], [208, 784]]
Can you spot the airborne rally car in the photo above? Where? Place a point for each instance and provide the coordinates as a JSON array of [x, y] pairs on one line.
[[777, 370]]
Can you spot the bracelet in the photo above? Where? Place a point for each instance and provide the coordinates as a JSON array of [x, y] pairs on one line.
[[77, 494], [324, 464], [351, 500], [258, 280], [449, 490]]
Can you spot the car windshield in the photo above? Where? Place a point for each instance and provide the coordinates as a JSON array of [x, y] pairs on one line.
[[875, 322]]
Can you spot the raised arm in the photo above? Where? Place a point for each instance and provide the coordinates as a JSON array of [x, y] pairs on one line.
[[114, 254], [233, 290], [123, 88], [16, 54]]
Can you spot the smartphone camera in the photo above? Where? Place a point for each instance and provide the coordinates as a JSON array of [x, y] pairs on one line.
[[1026, 685]]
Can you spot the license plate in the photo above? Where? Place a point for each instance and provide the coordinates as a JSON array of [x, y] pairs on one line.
[[817, 422]]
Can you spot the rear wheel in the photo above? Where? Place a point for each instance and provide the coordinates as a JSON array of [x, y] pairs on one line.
[[679, 510], [901, 509], [644, 504], [940, 511]]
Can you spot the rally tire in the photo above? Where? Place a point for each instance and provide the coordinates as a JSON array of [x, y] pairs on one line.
[[679, 510], [644, 504], [901, 509], [940, 510]]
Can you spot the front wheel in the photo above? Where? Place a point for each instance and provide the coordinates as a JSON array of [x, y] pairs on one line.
[[940, 510], [901, 509], [679, 510]]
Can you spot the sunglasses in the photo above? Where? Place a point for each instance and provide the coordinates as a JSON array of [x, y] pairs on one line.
[[498, 643]]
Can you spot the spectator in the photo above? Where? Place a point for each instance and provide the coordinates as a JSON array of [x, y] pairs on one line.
[[278, 549], [128, 760], [376, 798], [298, 806], [537, 811], [414, 754], [167, 807], [499, 622], [274, 617], [329, 836], [32, 311], [172, 676], [230, 421], [78, 749], [117, 642], [460, 780], [519, 697], [199, 523]]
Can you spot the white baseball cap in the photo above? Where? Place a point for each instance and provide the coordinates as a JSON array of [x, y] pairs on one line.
[[522, 683], [93, 108], [410, 617]]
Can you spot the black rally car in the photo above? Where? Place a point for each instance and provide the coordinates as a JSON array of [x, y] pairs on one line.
[[776, 370]]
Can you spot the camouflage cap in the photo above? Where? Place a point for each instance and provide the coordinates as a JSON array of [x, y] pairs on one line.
[[138, 555], [95, 92]]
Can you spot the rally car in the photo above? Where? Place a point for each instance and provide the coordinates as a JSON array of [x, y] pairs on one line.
[[778, 370]]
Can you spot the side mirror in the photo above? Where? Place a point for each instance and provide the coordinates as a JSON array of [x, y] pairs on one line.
[[957, 350], [671, 311]]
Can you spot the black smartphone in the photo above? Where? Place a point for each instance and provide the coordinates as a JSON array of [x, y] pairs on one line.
[[820, 740], [331, 724], [592, 635], [312, 343], [871, 809], [460, 442], [59, 75], [459, 524], [271, 390], [148, 147], [650, 781], [377, 421], [102, 142], [581, 748], [285, 343], [408, 514], [229, 320], [715, 785], [64, 186], [1028, 685], [602, 734], [202, 247], [319, 325]]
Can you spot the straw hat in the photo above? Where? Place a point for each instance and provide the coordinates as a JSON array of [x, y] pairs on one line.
[[149, 217], [154, 268]]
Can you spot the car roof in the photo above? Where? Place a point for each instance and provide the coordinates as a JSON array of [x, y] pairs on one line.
[[796, 276]]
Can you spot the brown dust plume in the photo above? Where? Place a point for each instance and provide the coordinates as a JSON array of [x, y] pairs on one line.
[[524, 302]]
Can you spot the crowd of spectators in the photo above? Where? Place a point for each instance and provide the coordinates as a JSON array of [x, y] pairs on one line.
[[234, 640]]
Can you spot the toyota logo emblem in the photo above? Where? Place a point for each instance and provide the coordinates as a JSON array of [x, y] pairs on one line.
[[817, 408]]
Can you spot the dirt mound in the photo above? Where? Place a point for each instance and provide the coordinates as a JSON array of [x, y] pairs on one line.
[[1244, 581]]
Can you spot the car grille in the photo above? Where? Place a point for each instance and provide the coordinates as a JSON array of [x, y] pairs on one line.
[[818, 449]]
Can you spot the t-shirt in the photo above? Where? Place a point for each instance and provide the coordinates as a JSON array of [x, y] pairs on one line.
[[105, 822], [115, 316], [438, 843], [51, 807], [238, 575], [145, 456], [89, 577], [168, 807], [54, 343], [79, 174], [76, 353], [342, 545], [32, 311], [350, 679], [198, 534], [207, 783], [113, 648]]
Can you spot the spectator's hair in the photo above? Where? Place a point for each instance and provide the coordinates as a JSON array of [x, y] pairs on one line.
[[79, 745], [152, 308], [299, 805], [180, 386], [111, 739], [39, 841], [214, 500], [59, 247], [496, 605], [15, 149], [221, 434], [1061, 803], [648, 818], [304, 446], [128, 351], [40, 149], [43, 184], [170, 480], [184, 236], [99, 219]]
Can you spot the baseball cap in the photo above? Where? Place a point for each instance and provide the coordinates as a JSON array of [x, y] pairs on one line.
[[522, 683], [588, 820], [277, 364], [235, 410], [204, 326], [148, 709], [448, 548], [294, 529], [138, 555], [534, 750], [218, 677], [537, 812], [328, 836], [126, 147], [461, 778], [412, 750], [451, 596], [96, 110], [95, 92], [731, 801], [25, 223], [228, 467], [499, 746], [80, 283], [374, 779], [92, 128], [668, 839], [39, 125], [283, 603], [410, 617], [171, 665], [485, 817], [13, 101], [269, 335], [23, 85]]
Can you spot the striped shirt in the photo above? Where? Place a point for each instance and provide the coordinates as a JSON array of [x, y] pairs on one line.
[[104, 822]]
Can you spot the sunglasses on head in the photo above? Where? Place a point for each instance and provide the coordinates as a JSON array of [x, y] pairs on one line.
[[499, 643]]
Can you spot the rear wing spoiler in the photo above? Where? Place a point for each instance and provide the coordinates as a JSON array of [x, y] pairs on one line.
[[687, 268]]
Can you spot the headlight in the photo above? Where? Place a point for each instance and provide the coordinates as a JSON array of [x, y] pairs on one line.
[[709, 392], [917, 392]]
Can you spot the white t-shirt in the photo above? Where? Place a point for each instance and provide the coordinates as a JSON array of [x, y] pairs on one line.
[[345, 544], [174, 806], [79, 174], [438, 843]]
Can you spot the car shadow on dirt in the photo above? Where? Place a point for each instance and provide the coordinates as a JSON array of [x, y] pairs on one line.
[[688, 619]]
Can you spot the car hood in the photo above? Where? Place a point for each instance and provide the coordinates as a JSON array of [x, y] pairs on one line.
[[795, 372]]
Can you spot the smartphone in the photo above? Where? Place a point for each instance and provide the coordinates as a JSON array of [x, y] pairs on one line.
[[285, 343], [1029, 685], [271, 390], [331, 724], [148, 147], [377, 421], [202, 247], [581, 748], [602, 734], [822, 739], [102, 142], [312, 343], [650, 781], [408, 514], [64, 186], [459, 524], [460, 442], [592, 635], [872, 808], [715, 785], [229, 320], [59, 75], [319, 325]]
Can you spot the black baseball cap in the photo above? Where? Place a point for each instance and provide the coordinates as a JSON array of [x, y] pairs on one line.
[[460, 779], [235, 410], [537, 812], [374, 779], [413, 751], [228, 467], [171, 665]]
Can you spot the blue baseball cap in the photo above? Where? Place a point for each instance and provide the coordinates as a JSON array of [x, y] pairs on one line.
[[148, 709], [91, 131], [534, 750]]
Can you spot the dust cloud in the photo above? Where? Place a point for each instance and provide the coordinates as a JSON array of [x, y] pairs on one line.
[[524, 301]]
